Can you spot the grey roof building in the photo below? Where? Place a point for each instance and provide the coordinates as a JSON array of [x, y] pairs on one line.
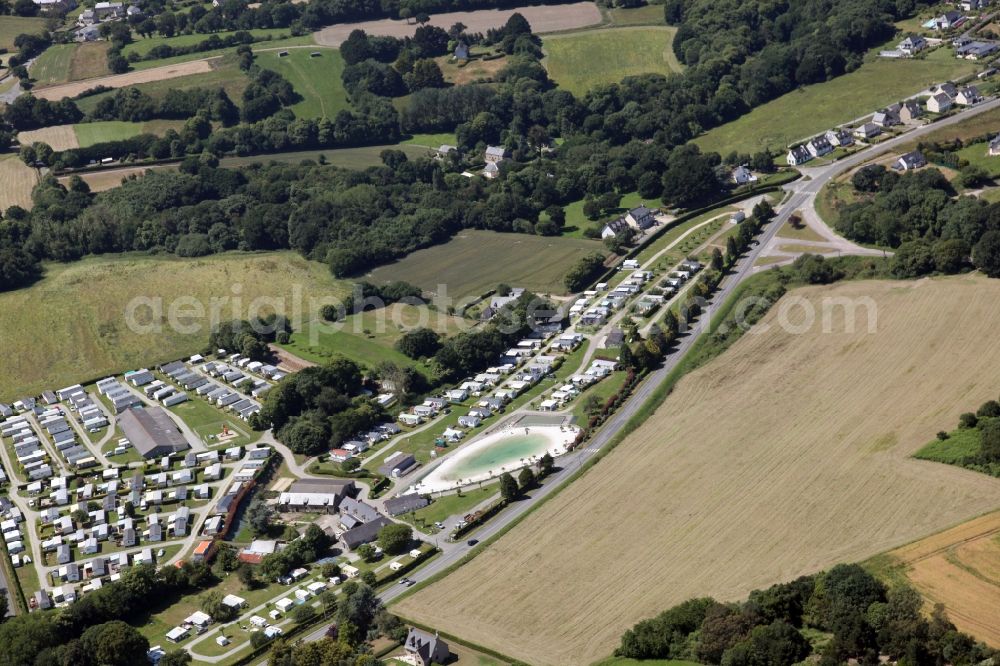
[[365, 533], [152, 432], [397, 506], [426, 648]]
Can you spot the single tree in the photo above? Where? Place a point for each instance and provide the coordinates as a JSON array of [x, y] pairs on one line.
[[508, 487]]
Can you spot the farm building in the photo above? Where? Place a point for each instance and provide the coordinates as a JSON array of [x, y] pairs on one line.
[[152, 432]]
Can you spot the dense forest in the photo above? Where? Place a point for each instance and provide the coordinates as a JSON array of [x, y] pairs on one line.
[[617, 139], [847, 613], [917, 214]]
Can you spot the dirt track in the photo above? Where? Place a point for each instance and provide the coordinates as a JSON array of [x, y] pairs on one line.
[[789, 453], [543, 18], [57, 92]]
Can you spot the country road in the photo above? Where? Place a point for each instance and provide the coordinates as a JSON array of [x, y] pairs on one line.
[[802, 193]]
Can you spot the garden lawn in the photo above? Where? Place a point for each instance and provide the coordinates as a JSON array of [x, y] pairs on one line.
[[580, 61], [207, 422], [976, 155], [875, 84], [317, 79], [444, 507], [604, 389]]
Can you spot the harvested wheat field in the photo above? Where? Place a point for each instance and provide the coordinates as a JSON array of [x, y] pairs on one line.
[[960, 568], [175, 71], [785, 455], [18, 180], [59, 137], [543, 18]]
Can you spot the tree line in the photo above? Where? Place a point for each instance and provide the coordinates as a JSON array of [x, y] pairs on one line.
[[90, 632], [864, 619], [918, 214]]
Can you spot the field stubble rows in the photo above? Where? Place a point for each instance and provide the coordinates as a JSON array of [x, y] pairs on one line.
[[782, 457]]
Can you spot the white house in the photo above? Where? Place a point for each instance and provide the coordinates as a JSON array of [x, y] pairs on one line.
[[798, 155]]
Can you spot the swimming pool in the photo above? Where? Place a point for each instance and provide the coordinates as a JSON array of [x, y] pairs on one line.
[[505, 450]]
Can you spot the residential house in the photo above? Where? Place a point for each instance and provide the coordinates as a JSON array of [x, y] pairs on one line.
[[994, 148], [867, 131], [819, 146], [742, 175], [912, 45], [910, 161], [948, 20], [939, 103], [798, 155], [910, 111], [426, 649], [839, 138], [614, 227], [885, 118], [968, 96], [495, 154]]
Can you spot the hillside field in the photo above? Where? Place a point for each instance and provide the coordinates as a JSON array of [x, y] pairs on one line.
[[12, 26], [71, 326], [474, 262], [83, 135], [875, 84], [222, 73], [61, 63], [18, 180], [808, 464], [317, 79], [580, 61], [959, 568]]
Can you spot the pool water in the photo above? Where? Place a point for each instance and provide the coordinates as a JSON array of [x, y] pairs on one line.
[[506, 453]]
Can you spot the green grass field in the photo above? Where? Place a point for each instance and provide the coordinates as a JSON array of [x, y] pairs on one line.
[[115, 130], [646, 15], [476, 261], [12, 26], [580, 61], [960, 444], [317, 80], [348, 158], [71, 326], [431, 140], [370, 337], [52, 66], [976, 154], [875, 84], [142, 46], [268, 45]]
